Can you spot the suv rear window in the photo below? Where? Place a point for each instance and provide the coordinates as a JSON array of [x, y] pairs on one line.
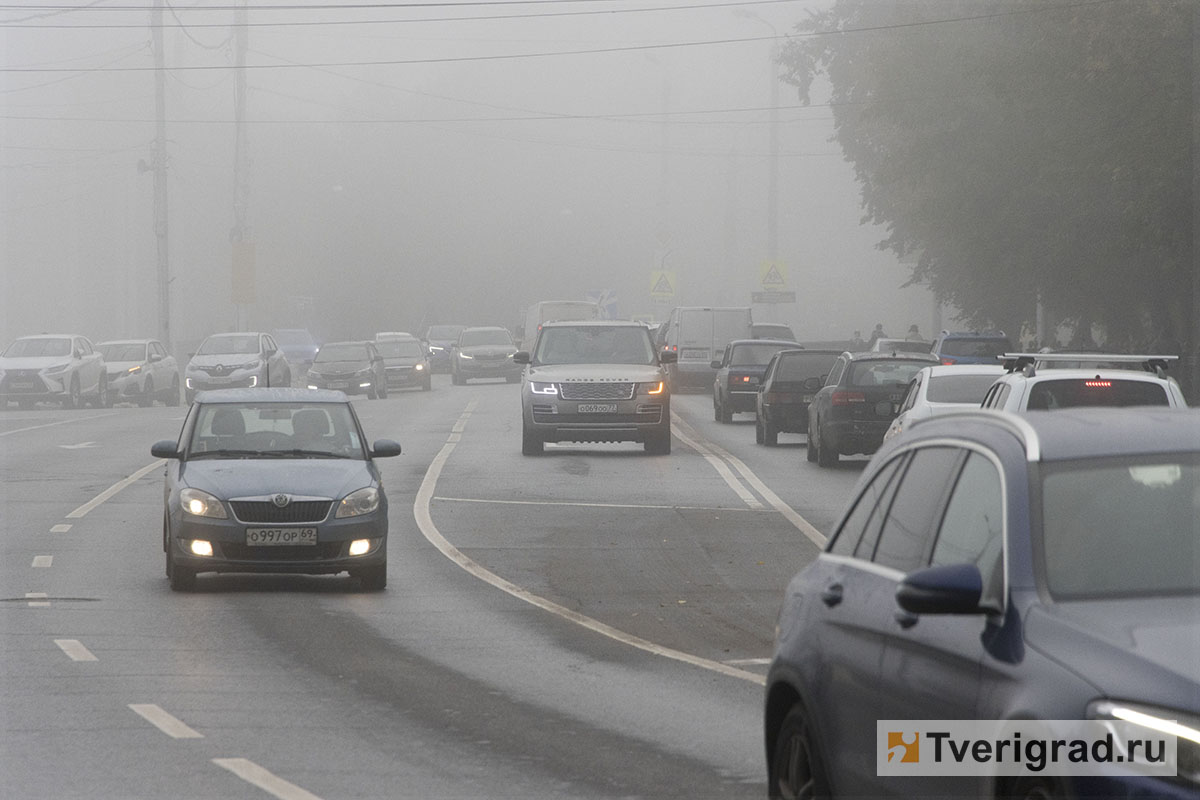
[[804, 365], [1075, 392], [883, 372], [977, 348], [959, 388]]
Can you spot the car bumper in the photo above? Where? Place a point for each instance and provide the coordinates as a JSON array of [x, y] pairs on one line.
[[406, 376], [121, 385], [743, 401], [633, 421], [202, 382], [16, 388], [478, 368], [232, 554], [850, 437], [789, 418]]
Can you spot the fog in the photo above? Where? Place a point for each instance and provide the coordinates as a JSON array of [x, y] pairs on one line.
[[403, 170]]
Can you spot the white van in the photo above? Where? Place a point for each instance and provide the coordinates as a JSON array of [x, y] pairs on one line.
[[555, 311], [697, 335]]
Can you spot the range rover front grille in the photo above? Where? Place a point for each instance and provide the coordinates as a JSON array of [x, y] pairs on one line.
[[596, 391]]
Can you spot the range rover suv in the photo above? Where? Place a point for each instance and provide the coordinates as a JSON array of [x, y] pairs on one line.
[[595, 381]]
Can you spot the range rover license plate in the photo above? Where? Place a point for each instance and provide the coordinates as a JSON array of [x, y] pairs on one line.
[[280, 537], [597, 408]]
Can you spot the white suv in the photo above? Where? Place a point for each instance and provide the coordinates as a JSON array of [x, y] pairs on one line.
[[1027, 388]]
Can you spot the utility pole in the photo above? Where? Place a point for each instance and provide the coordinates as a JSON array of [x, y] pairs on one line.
[[160, 175], [243, 246]]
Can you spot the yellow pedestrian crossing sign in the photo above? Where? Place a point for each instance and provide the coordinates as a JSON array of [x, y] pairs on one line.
[[662, 283], [772, 275]]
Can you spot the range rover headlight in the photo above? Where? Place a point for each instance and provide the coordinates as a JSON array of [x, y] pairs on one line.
[[201, 504], [357, 503], [656, 388], [537, 387]]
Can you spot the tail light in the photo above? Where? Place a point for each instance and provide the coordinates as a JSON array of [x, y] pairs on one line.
[[946, 362], [846, 398], [1098, 384]]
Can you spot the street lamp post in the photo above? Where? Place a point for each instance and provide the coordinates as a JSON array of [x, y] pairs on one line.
[[773, 160]]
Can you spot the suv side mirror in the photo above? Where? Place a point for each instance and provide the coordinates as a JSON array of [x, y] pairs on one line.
[[813, 384], [668, 357], [384, 448], [950, 589], [521, 357], [715, 363]]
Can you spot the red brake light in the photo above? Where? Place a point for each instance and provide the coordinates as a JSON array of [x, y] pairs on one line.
[[1098, 384], [846, 398], [947, 361]]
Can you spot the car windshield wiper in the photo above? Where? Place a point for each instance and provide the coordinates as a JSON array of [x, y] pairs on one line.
[[313, 453], [227, 453]]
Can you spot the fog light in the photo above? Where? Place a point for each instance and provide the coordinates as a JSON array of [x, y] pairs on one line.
[[364, 386], [312, 386], [199, 547], [360, 547]]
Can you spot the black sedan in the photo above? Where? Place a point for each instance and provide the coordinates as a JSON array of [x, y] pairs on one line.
[[350, 367], [792, 378], [274, 480], [998, 571], [861, 397], [739, 371]]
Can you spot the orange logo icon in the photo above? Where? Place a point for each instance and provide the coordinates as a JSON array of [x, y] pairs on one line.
[[905, 745]]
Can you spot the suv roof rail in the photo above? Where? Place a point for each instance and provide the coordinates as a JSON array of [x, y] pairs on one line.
[[1016, 425]]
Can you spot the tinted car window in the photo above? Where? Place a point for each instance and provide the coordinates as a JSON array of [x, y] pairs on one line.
[[235, 345], [959, 388], [472, 338], [883, 372], [123, 352], [972, 529], [862, 525], [1047, 395], [753, 354], [908, 529], [804, 365], [1125, 528], [341, 352]]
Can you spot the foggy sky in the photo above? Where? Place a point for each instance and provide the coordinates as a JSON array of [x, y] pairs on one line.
[[388, 197]]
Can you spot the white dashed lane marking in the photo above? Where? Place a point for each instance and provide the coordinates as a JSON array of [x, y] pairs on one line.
[[163, 721], [75, 650], [267, 781], [42, 561], [60, 528]]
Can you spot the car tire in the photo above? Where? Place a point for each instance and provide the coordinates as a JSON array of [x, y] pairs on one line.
[[796, 769], [372, 579], [759, 435], [372, 394], [147, 398], [531, 443], [770, 433], [827, 456], [659, 443], [173, 393], [726, 417], [182, 579], [73, 399], [381, 392]]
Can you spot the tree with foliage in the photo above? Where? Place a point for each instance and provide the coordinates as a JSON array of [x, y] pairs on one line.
[[1024, 149]]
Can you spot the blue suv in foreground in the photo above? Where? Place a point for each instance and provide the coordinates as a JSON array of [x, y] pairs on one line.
[[999, 567], [970, 347]]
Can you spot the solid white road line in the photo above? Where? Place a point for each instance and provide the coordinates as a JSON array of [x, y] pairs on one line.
[[60, 422], [716, 463], [42, 561], [60, 529], [75, 650], [37, 599], [270, 783], [749, 662], [434, 536], [163, 721], [583, 505], [108, 493]]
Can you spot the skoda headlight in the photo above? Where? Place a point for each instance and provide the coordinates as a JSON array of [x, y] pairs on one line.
[[201, 504], [537, 387], [1183, 726], [362, 501]]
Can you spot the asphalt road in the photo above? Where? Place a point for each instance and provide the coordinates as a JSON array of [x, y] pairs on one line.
[[594, 622]]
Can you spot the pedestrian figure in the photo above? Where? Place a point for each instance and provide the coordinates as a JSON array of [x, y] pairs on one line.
[[876, 334], [857, 342], [914, 335]]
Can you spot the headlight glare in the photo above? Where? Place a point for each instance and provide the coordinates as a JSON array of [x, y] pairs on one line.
[[419, 367], [362, 501], [1185, 727], [657, 388], [360, 547], [201, 504], [200, 547]]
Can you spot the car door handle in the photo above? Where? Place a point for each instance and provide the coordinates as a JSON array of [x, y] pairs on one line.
[[832, 595], [906, 619]]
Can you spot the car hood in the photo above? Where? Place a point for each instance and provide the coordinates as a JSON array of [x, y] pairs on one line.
[[222, 360], [488, 349], [122, 366], [340, 366], [596, 373], [1143, 649], [290, 350], [248, 477], [39, 362], [402, 361]]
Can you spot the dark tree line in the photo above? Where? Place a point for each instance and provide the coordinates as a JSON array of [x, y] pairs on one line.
[[1024, 149]]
